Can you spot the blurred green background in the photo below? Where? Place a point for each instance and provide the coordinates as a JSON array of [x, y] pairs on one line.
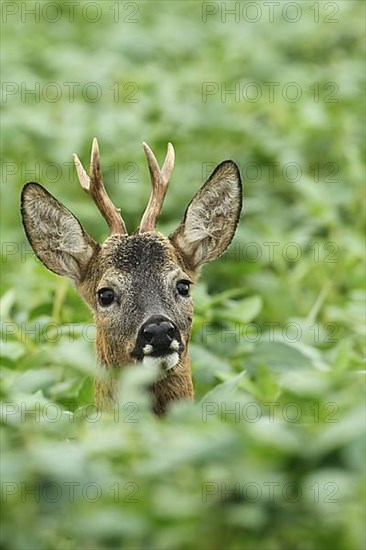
[[279, 326]]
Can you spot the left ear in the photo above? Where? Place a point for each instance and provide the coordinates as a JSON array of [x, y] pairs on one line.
[[55, 235], [211, 218]]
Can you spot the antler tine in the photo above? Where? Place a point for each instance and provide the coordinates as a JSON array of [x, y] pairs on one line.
[[94, 186], [159, 183]]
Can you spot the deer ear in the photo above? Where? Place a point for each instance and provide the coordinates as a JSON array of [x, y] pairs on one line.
[[55, 235], [211, 217]]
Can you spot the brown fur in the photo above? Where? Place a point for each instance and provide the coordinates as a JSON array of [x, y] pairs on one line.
[[143, 271]]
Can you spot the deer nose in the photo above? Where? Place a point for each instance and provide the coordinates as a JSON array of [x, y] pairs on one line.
[[158, 332]]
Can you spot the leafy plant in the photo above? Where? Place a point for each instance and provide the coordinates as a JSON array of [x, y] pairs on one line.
[[270, 454]]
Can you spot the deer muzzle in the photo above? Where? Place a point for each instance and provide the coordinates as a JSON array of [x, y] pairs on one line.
[[158, 343]]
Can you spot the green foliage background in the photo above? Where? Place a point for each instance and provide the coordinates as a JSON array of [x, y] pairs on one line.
[[166, 465]]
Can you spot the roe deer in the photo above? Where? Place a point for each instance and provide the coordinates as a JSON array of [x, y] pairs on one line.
[[137, 286]]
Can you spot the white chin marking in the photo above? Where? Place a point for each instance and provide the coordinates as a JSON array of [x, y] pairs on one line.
[[165, 362]]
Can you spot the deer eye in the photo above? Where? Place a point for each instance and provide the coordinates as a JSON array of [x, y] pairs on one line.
[[183, 287], [105, 296]]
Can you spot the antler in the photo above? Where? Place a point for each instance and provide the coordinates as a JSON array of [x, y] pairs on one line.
[[159, 183], [94, 186]]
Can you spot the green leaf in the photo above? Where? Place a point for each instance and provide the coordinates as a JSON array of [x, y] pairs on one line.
[[243, 311], [225, 390], [6, 303]]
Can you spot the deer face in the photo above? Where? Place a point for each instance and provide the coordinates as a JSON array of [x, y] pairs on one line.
[[137, 286], [139, 290]]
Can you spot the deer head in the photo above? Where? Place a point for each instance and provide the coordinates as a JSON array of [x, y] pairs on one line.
[[137, 286]]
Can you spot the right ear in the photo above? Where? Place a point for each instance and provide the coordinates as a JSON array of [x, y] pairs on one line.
[[211, 217], [55, 235]]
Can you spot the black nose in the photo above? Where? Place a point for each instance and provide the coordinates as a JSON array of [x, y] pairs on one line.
[[159, 332]]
